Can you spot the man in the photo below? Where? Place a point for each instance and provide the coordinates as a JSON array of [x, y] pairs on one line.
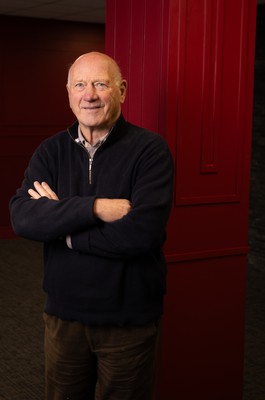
[[99, 196]]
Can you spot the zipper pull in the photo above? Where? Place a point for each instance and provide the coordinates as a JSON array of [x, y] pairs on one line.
[[90, 170]]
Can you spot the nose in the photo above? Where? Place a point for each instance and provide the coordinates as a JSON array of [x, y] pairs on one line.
[[90, 93]]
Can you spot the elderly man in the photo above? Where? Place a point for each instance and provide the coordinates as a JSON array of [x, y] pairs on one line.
[[99, 196]]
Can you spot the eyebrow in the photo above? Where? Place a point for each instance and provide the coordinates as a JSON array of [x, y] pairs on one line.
[[101, 80], [94, 80]]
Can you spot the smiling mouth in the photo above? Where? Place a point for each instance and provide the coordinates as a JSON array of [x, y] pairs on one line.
[[91, 107]]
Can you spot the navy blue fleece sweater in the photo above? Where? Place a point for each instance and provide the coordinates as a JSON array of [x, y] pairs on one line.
[[115, 274]]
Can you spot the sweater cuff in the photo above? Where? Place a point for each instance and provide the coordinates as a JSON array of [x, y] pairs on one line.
[[90, 208], [80, 241]]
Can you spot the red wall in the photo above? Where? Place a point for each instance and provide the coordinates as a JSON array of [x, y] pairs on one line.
[[35, 55], [190, 67]]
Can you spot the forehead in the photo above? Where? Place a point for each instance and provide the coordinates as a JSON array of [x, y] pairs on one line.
[[92, 69]]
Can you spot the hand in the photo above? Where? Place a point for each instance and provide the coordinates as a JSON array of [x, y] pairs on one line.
[[42, 190], [110, 210]]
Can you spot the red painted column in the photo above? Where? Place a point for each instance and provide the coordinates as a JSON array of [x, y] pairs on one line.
[[190, 67]]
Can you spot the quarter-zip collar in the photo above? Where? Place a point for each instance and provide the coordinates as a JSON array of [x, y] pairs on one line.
[[114, 133], [92, 148], [76, 134]]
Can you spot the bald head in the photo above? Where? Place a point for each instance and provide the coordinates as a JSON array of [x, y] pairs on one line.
[[97, 57]]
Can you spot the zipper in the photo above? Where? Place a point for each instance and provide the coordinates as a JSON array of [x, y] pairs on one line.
[[90, 160]]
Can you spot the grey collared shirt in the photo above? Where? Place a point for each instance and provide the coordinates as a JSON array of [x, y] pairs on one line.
[[91, 148]]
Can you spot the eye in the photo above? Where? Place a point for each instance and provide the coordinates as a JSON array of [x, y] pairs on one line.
[[79, 85], [101, 85]]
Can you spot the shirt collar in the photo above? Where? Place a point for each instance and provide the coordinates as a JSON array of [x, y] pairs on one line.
[[87, 144]]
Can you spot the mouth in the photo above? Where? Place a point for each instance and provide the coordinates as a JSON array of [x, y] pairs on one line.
[[91, 107]]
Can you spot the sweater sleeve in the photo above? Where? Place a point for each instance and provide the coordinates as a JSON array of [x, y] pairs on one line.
[[143, 228], [46, 219]]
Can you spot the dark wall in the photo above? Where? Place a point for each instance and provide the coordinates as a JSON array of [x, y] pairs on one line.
[[35, 56]]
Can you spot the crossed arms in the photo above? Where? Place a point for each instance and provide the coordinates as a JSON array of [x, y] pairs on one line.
[[101, 226], [108, 210]]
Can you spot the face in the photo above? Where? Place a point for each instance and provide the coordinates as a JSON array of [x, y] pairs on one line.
[[96, 91]]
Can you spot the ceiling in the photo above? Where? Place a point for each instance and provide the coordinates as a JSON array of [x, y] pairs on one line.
[[92, 11], [69, 10]]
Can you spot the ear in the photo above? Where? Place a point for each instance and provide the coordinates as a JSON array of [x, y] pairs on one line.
[[68, 91], [123, 89]]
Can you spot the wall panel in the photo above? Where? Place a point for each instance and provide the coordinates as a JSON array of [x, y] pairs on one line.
[[209, 114], [209, 107]]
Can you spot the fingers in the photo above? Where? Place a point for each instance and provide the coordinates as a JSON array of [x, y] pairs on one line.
[[49, 191], [33, 195], [42, 190]]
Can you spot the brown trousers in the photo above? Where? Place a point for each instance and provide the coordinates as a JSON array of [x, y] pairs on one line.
[[99, 363]]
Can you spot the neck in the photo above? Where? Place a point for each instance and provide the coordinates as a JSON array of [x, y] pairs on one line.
[[93, 135]]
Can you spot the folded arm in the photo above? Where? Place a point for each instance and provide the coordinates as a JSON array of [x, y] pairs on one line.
[[108, 210]]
